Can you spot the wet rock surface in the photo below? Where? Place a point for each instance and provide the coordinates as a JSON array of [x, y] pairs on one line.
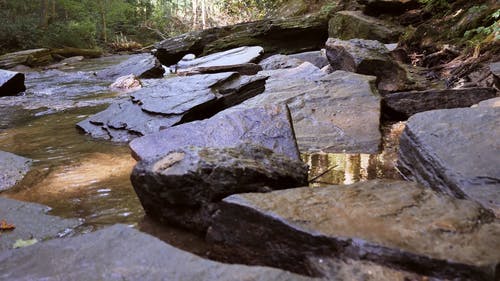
[[367, 57], [455, 151], [170, 102], [31, 222], [347, 25], [121, 253], [11, 83], [235, 56], [393, 223], [142, 66], [338, 112], [13, 168], [268, 126], [194, 179], [400, 106]]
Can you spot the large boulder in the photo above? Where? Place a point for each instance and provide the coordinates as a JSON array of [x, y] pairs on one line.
[[268, 126], [34, 57], [367, 57], [31, 221], [347, 25], [286, 35], [121, 253], [11, 83], [13, 168], [280, 62], [184, 186], [142, 66], [170, 102], [393, 223], [338, 112], [455, 151], [400, 106], [317, 58]]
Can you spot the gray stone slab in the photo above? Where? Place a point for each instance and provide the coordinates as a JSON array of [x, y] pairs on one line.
[[13, 168]]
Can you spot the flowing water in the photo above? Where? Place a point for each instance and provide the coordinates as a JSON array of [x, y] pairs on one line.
[[89, 179]]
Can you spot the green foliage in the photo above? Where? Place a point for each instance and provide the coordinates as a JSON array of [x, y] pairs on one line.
[[70, 34], [485, 34], [435, 6]]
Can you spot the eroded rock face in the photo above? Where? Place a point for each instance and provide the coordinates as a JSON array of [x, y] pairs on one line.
[[142, 66], [171, 102], [194, 179], [400, 106], [367, 57], [347, 25], [455, 151], [32, 222], [11, 83], [13, 168], [268, 126], [394, 7], [121, 253], [338, 112], [395, 223]]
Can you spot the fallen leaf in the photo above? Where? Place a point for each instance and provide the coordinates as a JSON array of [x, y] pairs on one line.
[[6, 226], [24, 243]]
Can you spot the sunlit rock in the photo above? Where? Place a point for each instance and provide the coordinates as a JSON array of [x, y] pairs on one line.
[[398, 224], [142, 66], [11, 83], [121, 253], [455, 151], [127, 83], [13, 168], [184, 186], [31, 222]]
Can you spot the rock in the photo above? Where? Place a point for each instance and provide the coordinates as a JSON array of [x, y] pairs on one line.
[[142, 66], [370, 58], [242, 69], [302, 33], [397, 224], [292, 8], [317, 58], [66, 62], [392, 7], [170, 102], [455, 151], [326, 109], [31, 58], [121, 253], [31, 222], [347, 25], [495, 102], [127, 83], [235, 56], [11, 83], [495, 69], [400, 106], [268, 126], [280, 62], [194, 179], [13, 168]]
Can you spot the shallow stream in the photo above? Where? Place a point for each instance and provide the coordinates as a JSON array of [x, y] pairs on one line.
[[89, 179]]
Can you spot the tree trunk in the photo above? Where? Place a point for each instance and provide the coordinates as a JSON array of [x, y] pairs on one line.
[[44, 14], [203, 14], [103, 20], [195, 13]]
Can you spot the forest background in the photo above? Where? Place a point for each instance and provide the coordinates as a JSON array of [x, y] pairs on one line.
[[26, 24]]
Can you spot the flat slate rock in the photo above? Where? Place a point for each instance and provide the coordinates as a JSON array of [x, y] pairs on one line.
[[455, 151], [31, 222], [142, 66], [268, 126], [195, 177], [241, 55], [13, 168], [11, 83], [398, 224], [122, 253], [347, 25], [400, 106], [367, 57], [280, 62], [495, 102], [317, 58], [338, 112], [170, 102]]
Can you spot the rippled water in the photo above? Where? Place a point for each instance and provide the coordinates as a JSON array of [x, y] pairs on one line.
[[89, 179]]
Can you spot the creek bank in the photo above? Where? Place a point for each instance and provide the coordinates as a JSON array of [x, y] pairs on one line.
[[444, 237], [31, 222], [455, 151], [185, 186], [13, 168], [122, 253]]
